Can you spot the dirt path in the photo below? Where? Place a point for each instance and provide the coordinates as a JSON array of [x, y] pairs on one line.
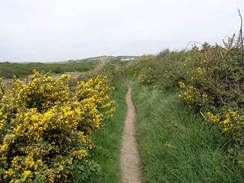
[[129, 159]]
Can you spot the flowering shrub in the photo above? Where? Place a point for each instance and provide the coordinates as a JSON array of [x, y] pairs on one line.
[[145, 78], [46, 125], [210, 80], [231, 124], [1, 88], [196, 90], [219, 73], [229, 121], [163, 71], [215, 87], [194, 96]]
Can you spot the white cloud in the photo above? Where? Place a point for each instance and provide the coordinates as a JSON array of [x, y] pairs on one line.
[[50, 30]]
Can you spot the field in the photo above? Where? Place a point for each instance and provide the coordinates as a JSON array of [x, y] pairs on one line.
[[9, 70]]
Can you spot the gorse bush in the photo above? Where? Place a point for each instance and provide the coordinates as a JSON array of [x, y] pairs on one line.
[[46, 127], [163, 71], [219, 72], [216, 88], [210, 80]]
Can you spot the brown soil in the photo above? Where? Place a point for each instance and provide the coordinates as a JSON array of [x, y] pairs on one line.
[[129, 159]]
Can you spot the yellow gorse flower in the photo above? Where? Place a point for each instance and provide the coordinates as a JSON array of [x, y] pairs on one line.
[[213, 118], [46, 125], [199, 71], [181, 84], [229, 121]]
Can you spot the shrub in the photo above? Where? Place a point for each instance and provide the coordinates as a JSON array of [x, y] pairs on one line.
[[46, 125], [210, 80], [216, 88]]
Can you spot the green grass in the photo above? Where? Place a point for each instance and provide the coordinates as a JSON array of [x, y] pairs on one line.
[[8, 70], [108, 140], [176, 145]]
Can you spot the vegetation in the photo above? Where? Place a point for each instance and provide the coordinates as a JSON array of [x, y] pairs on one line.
[[46, 127], [108, 139], [190, 118], [176, 145], [210, 80], [9, 70]]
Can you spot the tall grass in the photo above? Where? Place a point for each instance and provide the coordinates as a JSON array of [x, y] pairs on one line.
[[108, 140], [175, 145]]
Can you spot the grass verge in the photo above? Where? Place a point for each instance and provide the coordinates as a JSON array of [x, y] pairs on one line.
[[108, 140], [176, 145]]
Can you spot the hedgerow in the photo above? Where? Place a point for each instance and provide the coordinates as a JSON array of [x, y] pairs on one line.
[[46, 127], [210, 80], [216, 89]]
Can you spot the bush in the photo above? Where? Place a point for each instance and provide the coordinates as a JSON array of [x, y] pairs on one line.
[[216, 89], [46, 127], [210, 80]]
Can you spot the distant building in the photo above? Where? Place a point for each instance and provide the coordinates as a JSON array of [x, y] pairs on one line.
[[127, 59]]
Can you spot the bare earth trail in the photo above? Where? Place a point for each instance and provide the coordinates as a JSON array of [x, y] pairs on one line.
[[129, 158]]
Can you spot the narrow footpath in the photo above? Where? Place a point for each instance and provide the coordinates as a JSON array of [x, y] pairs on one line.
[[129, 159]]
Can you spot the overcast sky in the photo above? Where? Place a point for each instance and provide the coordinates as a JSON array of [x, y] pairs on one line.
[[57, 30]]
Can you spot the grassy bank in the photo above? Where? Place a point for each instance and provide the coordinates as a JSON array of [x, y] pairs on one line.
[[175, 145], [108, 140]]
